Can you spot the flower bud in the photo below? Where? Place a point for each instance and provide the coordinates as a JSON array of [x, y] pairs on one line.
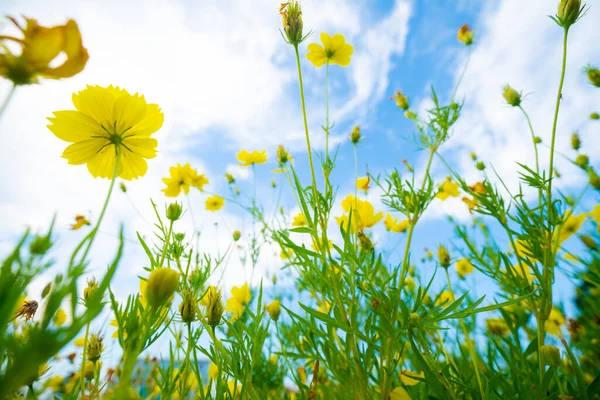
[[230, 178], [582, 160], [160, 286], [594, 180], [90, 290], [123, 187], [415, 319], [550, 355], [401, 100], [511, 96], [188, 307], [537, 140], [588, 242], [89, 370], [568, 12], [355, 136], [595, 116], [174, 211], [480, 165], [94, 348], [593, 75], [214, 306], [46, 290], [465, 35], [473, 156], [410, 115], [365, 242], [443, 256], [236, 235], [291, 15], [40, 245], [575, 141], [274, 309], [283, 157]]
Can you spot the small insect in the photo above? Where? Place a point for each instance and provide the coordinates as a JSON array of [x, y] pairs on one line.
[[27, 310]]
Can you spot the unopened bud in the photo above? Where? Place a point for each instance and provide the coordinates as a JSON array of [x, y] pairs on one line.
[[410, 115], [174, 211], [214, 306], [123, 187], [582, 160], [283, 157], [550, 355], [230, 178], [511, 96], [415, 319], [595, 116], [575, 141], [401, 100], [188, 307], [355, 136], [466, 35], [236, 235], [90, 290], [291, 15], [594, 180], [480, 165], [40, 245], [569, 12], [46, 290], [443, 257], [161, 285], [94, 348], [593, 75], [274, 309]]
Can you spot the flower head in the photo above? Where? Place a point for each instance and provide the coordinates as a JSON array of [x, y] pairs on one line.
[[448, 189], [465, 35], [291, 16], [299, 220], [274, 309], [569, 11], [27, 310], [181, 178], [60, 317], [109, 122], [248, 159], [161, 286], [593, 75], [360, 214], [214, 203], [554, 322], [80, 221], [40, 47], [401, 100], [362, 183], [392, 224], [571, 225], [335, 50], [511, 96], [464, 267]]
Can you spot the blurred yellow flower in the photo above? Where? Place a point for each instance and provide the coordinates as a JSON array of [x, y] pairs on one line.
[[181, 178], [570, 226], [60, 317], [464, 267], [363, 183], [54, 383], [214, 203], [497, 326], [471, 203], [363, 215], [242, 294], [523, 268], [248, 159], [274, 309], [392, 224], [465, 35], [595, 214], [335, 50], [521, 249], [108, 122], [80, 221], [316, 245], [213, 371], [445, 298], [285, 254], [408, 377], [448, 189], [399, 393], [299, 220], [301, 375], [79, 342], [555, 321], [40, 47]]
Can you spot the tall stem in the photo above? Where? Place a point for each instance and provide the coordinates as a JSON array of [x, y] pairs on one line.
[[7, 99], [327, 113], [462, 75], [83, 360], [104, 207], [537, 160]]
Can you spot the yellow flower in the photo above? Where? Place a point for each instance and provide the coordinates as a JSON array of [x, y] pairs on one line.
[[555, 321], [335, 50], [285, 254], [519, 268], [497, 326], [214, 203], [408, 377], [521, 249], [40, 47], [242, 294], [60, 317], [465, 35], [213, 371], [464, 267], [248, 159], [570, 226], [363, 183], [299, 220], [399, 393], [471, 203], [478, 188], [235, 307], [445, 298], [79, 342], [448, 189], [181, 178], [392, 224], [107, 122], [316, 245], [274, 309], [54, 383], [595, 214], [160, 286], [301, 375], [363, 215], [80, 221]]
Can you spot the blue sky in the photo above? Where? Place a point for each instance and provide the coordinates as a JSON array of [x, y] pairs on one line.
[[226, 81]]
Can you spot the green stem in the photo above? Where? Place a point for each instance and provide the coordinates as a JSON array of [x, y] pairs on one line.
[[540, 334], [460, 78], [327, 115], [310, 160], [104, 207], [166, 248], [83, 360], [537, 160], [7, 99]]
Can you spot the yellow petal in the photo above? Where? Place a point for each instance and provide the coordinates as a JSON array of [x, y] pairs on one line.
[[84, 151], [74, 126], [103, 164]]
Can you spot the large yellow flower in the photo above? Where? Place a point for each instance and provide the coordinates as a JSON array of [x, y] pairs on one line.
[[108, 122], [181, 178], [299, 220], [248, 159], [335, 50], [40, 47], [448, 189], [363, 215], [214, 203]]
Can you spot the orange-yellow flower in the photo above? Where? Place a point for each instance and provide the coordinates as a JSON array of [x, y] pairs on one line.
[[80, 221], [465, 35]]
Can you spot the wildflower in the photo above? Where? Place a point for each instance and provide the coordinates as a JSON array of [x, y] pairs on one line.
[[408, 377], [214, 203], [274, 309], [27, 310], [511, 96], [464, 267], [236, 235], [401, 100], [214, 306], [522, 249], [595, 116], [109, 123], [497, 326], [447, 189], [299, 220], [362, 183], [60, 317], [94, 348], [575, 141], [248, 159], [363, 215], [571, 224], [478, 187], [301, 375], [161, 286], [285, 254], [54, 383], [240, 298], [283, 158], [90, 290], [80, 221], [335, 50], [443, 256], [445, 298], [399, 393], [355, 136], [174, 211], [554, 322], [291, 15], [471, 203], [230, 178], [392, 224], [522, 270], [181, 178], [595, 214], [465, 35], [550, 355], [188, 307], [569, 12], [316, 245], [213, 371], [40, 47], [410, 115]]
